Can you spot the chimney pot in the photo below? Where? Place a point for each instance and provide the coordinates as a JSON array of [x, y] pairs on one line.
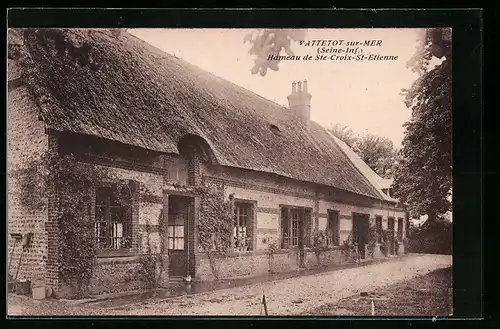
[[299, 101]]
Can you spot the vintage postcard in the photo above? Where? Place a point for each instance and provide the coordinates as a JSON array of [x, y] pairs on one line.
[[229, 172]]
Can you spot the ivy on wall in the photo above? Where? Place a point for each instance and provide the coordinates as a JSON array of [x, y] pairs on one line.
[[67, 185], [216, 222]]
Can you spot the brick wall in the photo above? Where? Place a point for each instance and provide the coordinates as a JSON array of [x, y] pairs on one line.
[[269, 192], [115, 275], [255, 264], [119, 272], [26, 138]]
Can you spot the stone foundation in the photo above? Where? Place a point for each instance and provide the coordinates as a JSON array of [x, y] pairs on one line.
[[257, 263]]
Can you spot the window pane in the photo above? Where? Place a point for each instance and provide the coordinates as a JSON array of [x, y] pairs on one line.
[[117, 230], [179, 231], [179, 243], [116, 243], [112, 219], [170, 243], [170, 231], [99, 213], [102, 230]]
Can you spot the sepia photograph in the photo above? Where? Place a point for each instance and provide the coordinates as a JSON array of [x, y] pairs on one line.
[[229, 172]]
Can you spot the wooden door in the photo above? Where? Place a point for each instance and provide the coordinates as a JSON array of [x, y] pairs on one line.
[[390, 229], [177, 241], [360, 227]]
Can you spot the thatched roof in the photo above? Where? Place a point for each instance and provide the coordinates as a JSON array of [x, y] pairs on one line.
[[118, 87]]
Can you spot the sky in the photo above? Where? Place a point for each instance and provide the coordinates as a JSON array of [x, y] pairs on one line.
[[363, 95]]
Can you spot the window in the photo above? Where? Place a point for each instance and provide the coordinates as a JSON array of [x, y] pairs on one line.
[[400, 229], [177, 214], [332, 228], [178, 170], [113, 220], [378, 228], [243, 221], [295, 227], [176, 237], [275, 129]]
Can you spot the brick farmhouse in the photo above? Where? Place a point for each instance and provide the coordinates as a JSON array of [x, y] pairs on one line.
[[118, 102]]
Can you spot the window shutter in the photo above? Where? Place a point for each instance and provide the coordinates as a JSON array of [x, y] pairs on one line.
[[336, 232]]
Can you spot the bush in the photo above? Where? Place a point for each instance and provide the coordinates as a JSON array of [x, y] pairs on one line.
[[431, 238], [319, 244]]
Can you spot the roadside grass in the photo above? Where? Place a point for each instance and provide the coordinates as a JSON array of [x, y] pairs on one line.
[[428, 295]]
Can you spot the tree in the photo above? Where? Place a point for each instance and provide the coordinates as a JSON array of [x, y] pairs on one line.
[[377, 152], [423, 177], [344, 133], [267, 42]]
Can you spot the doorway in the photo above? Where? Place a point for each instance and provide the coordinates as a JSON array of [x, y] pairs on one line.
[[390, 229], [360, 228], [180, 211]]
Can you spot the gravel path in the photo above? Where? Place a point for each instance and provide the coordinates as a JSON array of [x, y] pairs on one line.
[[291, 296]]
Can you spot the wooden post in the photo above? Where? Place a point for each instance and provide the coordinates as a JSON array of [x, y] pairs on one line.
[[264, 303]]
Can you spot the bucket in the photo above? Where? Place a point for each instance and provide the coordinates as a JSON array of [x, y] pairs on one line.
[[39, 292]]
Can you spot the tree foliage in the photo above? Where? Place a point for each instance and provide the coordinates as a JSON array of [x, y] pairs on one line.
[[423, 176], [377, 152], [267, 42], [344, 133], [431, 238]]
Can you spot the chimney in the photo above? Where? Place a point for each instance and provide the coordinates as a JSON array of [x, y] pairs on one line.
[[299, 101]]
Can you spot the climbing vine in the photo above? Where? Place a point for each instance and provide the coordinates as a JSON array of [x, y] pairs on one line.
[[373, 237], [320, 244], [64, 184], [216, 222], [272, 247], [149, 262]]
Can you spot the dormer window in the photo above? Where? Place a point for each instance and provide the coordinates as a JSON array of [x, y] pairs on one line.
[[275, 129]]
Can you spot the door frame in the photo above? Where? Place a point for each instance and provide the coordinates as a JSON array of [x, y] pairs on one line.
[[188, 240], [392, 233], [361, 224]]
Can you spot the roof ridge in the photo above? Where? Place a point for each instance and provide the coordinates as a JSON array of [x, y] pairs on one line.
[[140, 95], [377, 188]]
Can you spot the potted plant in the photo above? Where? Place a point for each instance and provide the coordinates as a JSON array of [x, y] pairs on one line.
[[346, 247], [396, 245], [241, 243], [270, 250], [372, 241], [319, 244]]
